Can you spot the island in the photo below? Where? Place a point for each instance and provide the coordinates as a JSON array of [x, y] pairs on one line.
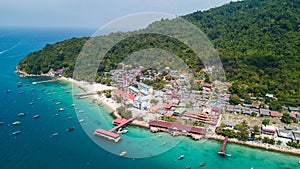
[[259, 107]]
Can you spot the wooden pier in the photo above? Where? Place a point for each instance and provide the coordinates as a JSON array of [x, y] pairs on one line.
[[222, 150], [110, 134]]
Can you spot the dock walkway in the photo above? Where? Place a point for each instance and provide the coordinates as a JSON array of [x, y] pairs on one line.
[[222, 150], [110, 134]]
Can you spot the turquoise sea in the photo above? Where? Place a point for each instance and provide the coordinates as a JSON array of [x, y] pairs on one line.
[[36, 148]]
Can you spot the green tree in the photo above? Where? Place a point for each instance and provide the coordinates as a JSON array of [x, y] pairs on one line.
[[234, 99], [266, 122], [286, 118]]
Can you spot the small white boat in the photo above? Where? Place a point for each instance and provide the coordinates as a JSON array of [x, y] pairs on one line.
[[60, 109], [16, 123], [31, 103], [123, 153], [1, 122], [181, 157], [55, 134], [16, 132], [228, 155], [36, 116], [21, 114], [80, 111], [81, 120], [58, 102], [121, 131], [73, 105]]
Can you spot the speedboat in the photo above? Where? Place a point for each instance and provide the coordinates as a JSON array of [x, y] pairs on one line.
[[81, 120], [123, 153], [202, 164], [1, 122], [188, 167], [16, 132], [55, 134], [36, 116], [58, 102], [16, 123], [73, 105], [228, 155], [60, 109], [8, 91], [21, 114], [70, 129], [181, 157]]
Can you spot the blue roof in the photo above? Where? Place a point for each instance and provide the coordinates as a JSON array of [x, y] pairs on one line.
[[137, 98], [134, 89], [144, 85], [145, 92], [145, 98]]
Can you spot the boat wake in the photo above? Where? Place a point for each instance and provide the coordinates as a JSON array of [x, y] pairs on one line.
[[6, 50]]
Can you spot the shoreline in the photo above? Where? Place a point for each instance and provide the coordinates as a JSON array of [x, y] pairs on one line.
[[266, 147], [110, 107]]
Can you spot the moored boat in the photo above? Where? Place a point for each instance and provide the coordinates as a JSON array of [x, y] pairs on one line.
[[188, 167], [73, 105], [16, 123], [21, 114], [81, 120], [70, 129], [181, 157], [55, 134], [16, 132], [123, 153], [36, 116], [202, 164], [228, 155], [60, 109], [58, 103], [1, 122]]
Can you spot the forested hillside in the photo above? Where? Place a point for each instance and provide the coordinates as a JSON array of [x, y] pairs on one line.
[[258, 42]]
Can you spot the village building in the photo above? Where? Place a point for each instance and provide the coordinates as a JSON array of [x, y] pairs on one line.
[[276, 114], [143, 86], [264, 112], [270, 130]]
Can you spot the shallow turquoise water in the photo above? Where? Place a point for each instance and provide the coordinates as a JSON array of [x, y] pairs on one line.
[[35, 148]]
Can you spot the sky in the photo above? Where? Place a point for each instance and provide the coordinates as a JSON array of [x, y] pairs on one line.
[[89, 13]]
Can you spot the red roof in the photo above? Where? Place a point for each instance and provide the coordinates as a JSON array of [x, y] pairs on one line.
[[269, 130], [108, 133], [174, 95], [293, 115], [207, 85], [275, 114], [168, 106], [256, 105], [177, 125], [215, 109], [131, 96], [119, 120], [197, 81]]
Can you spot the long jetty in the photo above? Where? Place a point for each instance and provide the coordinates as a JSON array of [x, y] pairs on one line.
[[222, 150], [110, 134]]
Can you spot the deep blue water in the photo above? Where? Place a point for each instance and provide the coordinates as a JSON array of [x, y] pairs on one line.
[[34, 148]]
